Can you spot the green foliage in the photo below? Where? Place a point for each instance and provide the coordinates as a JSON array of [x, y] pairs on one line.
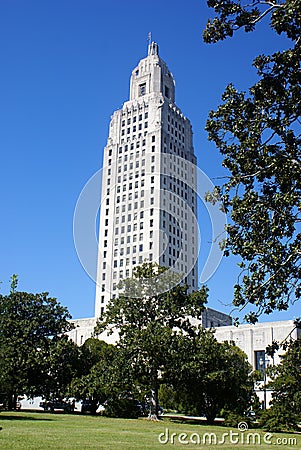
[[168, 397], [232, 419], [205, 371], [31, 328], [279, 418], [286, 379], [125, 408], [258, 133], [285, 412], [104, 373], [147, 316], [59, 367], [231, 15]]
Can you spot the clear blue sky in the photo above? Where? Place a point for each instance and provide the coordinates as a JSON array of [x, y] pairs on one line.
[[65, 67]]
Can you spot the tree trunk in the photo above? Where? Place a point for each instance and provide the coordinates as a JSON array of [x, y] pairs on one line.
[[11, 401], [153, 401]]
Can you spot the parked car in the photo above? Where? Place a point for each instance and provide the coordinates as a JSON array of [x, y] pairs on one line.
[[146, 409], [56, 405]]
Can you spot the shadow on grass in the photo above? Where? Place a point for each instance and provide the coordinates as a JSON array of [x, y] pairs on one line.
[[17, 417], [188, 421], [194, 420]]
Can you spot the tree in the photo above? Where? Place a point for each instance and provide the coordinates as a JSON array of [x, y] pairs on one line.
[[285, 383], [104, 375], [258, 133], [211, 375], [148, 317], [58, 367], [31, 325]]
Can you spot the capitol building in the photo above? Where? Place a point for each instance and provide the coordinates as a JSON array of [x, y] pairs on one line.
[[149, 205]]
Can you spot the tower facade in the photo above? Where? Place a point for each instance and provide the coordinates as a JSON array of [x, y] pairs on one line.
[[148, 200]]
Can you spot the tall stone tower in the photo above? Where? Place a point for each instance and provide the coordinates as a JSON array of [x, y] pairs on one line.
[[148, 200]]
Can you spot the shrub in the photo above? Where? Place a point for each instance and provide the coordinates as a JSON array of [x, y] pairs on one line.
[[123, 408], [279, 418], [232, 419]]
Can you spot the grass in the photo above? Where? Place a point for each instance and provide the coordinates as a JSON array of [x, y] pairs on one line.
[[43, 431]]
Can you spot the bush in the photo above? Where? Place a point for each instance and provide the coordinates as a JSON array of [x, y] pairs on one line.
[[122, 408], [232, 419], [279, 418]]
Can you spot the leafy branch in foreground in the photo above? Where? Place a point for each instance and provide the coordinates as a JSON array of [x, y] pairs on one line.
[[258, 133]]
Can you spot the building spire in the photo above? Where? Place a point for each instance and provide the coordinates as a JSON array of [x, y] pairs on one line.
[[153, 49]]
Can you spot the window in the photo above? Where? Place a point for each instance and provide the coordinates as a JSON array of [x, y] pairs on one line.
[[142, 90], [260, 361], [166, 92]]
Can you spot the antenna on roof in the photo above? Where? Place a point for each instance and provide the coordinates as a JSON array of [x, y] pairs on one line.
[[149, 40]]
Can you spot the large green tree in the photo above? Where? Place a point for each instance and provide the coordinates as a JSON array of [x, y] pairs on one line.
[[104, 373], [258, 133], [148, 317], [285, 382], [210, 376], [31, 328]]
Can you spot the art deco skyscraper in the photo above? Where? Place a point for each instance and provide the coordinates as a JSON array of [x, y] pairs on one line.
[[148, 200]]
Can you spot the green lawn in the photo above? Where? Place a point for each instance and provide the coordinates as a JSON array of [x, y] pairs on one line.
[[31, 431]]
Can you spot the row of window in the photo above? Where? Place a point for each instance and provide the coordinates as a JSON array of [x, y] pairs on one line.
[[131, 145], [175, 123], [134, 129], [141, 107], [128, 239], [134, 119]]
